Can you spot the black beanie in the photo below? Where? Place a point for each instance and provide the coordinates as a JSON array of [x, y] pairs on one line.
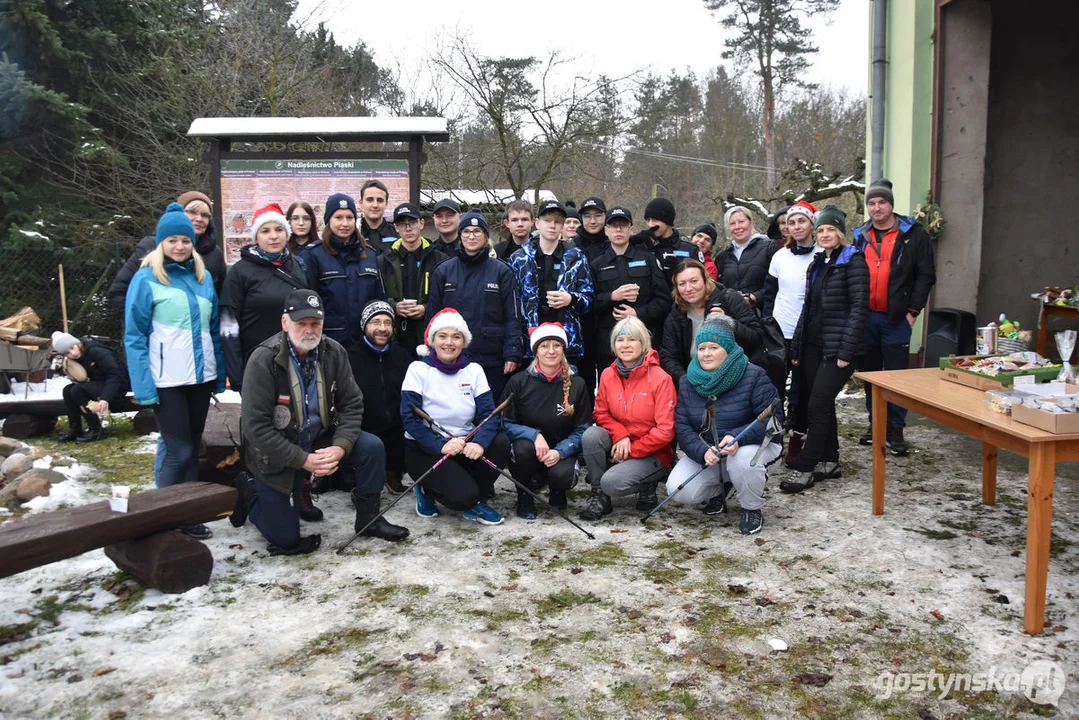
[[661, 209], [880, 188], [831, 215], [571, 211], [708, 229]]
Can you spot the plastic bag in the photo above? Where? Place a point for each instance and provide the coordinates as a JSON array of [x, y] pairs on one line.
[[1066, 346]]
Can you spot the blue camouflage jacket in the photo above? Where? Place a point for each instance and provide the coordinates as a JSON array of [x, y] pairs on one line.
[[573, 278]]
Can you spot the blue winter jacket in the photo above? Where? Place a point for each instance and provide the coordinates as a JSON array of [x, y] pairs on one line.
[[574, 278], [346, 282], [484, 292], [735, 409], [171, 332]]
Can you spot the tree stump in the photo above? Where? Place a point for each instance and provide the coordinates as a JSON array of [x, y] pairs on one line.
[[168, 561]]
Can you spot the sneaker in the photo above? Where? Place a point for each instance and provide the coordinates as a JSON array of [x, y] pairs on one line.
[[526, 506], [484, 514], [646, 497], [425, 506], [828, 471], [752, 522], [558, 499], [796, 482], [717, 504], [199, 532], [599, 504], [867, 436], [896, 444]]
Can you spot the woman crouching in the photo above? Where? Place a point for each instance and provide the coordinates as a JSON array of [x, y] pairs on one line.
[[718, 397], [549, 410], [455, 393]]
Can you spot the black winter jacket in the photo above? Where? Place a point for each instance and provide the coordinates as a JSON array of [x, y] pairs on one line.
[[102, 365], [409, 333], [206, 246], [674, 354], [591, 245], [735, 409], [273, 454], [750, 273], [381, 238], [913, 272], [609, 272], [251, 303], [669, 251], [843, 307], [346, 282], [380, 376]]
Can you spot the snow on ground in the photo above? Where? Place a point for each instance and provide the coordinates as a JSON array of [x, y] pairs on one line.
[[533, 619]]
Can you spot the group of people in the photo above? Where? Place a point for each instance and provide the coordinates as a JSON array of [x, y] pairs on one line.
[[367, 352]]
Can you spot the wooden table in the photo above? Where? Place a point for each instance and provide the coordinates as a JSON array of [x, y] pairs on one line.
[[957, 406], [1048, 309]]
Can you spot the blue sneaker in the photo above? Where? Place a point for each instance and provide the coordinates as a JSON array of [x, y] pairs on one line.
[[484, 514], [425, 506]]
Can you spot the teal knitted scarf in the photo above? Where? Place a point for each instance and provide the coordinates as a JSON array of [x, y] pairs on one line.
[[716, 382]]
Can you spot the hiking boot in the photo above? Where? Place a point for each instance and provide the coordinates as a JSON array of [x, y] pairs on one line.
[[526, 506], [367, 509], [320, 484], [797, 481], [199, 532], [484, 514], [557, 498], [867, 436], [752, 522], [393, 482], [307, 544], [91, 435], [599, 504], [425, 506], [646, 497], [794, 447], [828, 471], [896, 444], [69, 436], [717, 504], [245, 490], [305, 507]]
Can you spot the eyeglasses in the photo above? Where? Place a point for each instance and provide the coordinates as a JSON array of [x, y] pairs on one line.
[[471, 232], [407, 223], [300, 218]]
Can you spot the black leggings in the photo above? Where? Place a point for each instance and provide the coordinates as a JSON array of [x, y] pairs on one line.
[[458, 483], [530, 472], [181, 418], [822, 380]]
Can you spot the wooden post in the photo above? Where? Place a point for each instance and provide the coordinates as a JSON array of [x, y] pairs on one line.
[[63, 298], [989, 474], [1039, 533], [879, 418]]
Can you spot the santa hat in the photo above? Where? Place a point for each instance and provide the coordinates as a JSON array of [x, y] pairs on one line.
[[269, 213], [547, 331], [802, 208], [443, 319]]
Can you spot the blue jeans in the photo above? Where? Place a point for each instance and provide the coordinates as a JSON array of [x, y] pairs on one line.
[[887, 348]]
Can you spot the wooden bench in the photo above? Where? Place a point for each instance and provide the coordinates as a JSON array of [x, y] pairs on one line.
[[30, 418], [143, 541]]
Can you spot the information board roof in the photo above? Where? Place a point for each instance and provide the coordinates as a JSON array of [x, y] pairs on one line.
[[377, 129]]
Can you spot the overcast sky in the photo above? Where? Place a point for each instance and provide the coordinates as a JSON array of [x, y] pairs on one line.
[[614, 37]]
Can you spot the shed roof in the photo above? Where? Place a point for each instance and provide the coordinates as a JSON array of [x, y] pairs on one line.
[[337, 128]]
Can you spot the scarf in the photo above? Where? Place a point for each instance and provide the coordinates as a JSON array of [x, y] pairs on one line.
[[442, 367], [800, 250], [716, 382], [625, 370], [275, 258]]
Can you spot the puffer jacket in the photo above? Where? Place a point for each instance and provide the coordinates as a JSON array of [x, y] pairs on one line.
[[735, 409], [749, 273], [573, 277], [346, 282], [677, 332], [206, 246], [103, 366], [843, 308], [913, 272], [640, 407], [171, 332], [273, 454]]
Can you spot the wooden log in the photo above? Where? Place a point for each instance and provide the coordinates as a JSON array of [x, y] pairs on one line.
[[144, 422], [18, 337], [29, 542], [22, 426], [53, 406], [168, 561]]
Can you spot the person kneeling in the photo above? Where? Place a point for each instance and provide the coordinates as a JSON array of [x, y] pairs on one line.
[[718, 397], [549, 409], [302, 416], [455, 394]]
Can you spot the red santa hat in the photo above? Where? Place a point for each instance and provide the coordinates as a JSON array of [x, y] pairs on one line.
[[802, 208], [443, 319], [269, 213], [547, 331]]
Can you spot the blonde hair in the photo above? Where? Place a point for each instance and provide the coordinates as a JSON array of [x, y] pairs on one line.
[[567, 380], [737, 209], [155, 260], [199, 207], [635, 329], [843, 240]]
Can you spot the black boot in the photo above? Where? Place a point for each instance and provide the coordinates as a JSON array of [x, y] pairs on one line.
[[646, 497], [526, 506], [598, 505], [75, 425], [304, 506], [307, 544], [393, 482], [94, 431], [245, 490], [367, 509]]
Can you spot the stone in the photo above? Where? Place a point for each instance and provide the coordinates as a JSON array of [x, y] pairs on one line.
[[15, 465], [36, 483], [10, 446]]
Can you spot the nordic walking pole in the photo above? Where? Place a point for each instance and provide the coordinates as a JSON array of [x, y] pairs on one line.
[[423, 477], [434, 424], [763, 417]]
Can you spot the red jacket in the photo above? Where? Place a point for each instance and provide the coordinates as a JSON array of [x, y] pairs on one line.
[[710, 266], [640, 407]]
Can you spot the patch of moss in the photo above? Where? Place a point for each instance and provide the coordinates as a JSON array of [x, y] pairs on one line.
[[564, 598], [934, 534], [603, 555]]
